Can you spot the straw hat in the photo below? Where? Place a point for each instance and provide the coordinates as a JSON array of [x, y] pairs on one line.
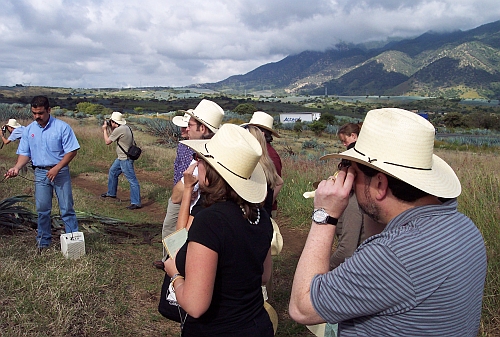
[[262, 120], [208, 113], [272, 315], [277, 240], [117, 117], [182, 121], [234, 153], [400, 143], [13, 123], [318, 329]]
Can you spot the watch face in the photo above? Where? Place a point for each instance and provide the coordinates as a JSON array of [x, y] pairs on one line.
[[319, 216]]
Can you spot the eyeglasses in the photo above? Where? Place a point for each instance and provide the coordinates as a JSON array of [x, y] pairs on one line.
[[344, 163]]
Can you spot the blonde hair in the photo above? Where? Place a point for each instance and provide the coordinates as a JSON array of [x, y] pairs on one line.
[[265, 161]]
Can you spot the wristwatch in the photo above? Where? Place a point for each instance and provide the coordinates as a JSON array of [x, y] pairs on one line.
[[320, 217]]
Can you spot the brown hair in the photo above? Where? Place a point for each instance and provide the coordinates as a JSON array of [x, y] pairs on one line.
[[217, 189], [349, 128]]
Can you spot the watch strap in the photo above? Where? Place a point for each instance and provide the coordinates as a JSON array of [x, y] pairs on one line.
[[331, 220]]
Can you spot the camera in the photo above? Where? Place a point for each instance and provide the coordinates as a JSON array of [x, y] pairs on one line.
[[4, 129], [108, 123]]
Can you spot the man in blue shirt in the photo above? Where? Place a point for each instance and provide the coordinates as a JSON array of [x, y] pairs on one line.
[[51, 145], [424, 274], [15, 129]]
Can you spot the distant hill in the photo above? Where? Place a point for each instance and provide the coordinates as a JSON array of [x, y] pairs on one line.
[[456, 64]]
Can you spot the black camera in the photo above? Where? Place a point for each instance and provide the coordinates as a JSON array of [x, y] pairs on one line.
[[108, 123], [4, 129]]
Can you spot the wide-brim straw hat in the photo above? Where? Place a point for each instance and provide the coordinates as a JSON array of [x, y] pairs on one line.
[[13, 123], [272, 315], [182, 121], [117, 117], [262, 120], [208, 113], [277, 240], [400, 143], [234, 153]]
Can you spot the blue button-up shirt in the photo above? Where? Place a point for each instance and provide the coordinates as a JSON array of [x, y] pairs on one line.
[[47, 146]]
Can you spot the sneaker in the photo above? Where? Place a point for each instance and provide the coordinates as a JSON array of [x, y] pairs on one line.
[[105, 195], [133, 206]]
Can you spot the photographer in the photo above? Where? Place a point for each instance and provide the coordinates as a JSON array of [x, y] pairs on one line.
[[15, 130], [122, 134]]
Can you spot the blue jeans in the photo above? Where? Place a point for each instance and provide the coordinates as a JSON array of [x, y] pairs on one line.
[[44, 190], [127, 168]]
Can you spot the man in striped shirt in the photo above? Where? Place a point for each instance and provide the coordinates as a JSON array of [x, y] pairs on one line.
[[424, 274]]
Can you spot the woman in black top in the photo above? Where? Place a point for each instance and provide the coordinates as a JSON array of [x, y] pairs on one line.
[[217, 275]]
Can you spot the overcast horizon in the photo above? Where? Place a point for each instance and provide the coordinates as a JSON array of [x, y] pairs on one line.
[[119, 44]]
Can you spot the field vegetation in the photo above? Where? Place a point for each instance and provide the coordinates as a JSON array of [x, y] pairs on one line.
[[113, 290]]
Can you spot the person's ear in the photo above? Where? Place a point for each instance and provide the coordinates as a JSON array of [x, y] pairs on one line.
[[381, 185]]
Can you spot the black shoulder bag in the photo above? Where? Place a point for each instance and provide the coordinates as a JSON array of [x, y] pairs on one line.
[[134, 152]]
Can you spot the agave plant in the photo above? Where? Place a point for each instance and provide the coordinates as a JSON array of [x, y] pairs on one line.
[[15, 216]]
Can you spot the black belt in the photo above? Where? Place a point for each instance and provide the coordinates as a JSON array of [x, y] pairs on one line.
[[43, 167]]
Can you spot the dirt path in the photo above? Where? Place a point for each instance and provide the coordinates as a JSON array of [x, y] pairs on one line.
[[293, 238]]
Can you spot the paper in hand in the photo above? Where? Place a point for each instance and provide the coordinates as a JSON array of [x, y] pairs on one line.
[[175, 241]]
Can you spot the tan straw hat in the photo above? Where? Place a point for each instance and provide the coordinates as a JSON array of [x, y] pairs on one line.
[[277, 240], [400, 143], [208, 113], [234, 153], [13, 123], [182, 121], [272, 315], [117, 117], [262, 120]]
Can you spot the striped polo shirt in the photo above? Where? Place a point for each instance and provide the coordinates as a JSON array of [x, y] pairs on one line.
[[422, 276]]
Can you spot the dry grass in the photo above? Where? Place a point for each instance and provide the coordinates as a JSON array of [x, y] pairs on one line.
[[113, 290]]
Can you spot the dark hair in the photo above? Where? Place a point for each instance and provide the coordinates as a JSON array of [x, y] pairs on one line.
[[40, 101], [350, 128], [268, 135], [208, 135], [218, 189], [399, 188]]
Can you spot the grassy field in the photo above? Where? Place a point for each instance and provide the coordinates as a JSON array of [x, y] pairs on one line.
[[114, 291]]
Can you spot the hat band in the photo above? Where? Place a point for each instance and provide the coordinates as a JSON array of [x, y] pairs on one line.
[[399, 165], [205, 122], [227, 169]]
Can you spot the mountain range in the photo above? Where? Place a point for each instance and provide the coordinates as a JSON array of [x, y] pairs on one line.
[[454, 64]]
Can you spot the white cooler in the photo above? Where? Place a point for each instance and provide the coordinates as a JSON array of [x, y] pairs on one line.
[[73, 245]]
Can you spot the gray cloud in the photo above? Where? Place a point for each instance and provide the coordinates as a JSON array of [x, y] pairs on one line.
[[109, 43]]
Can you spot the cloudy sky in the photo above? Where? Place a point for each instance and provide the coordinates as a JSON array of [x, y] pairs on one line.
[[128, 43]]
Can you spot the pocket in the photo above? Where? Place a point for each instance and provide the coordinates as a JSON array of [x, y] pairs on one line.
[[54, 145]]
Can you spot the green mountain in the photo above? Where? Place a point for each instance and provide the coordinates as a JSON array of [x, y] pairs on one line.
[[456, 64]]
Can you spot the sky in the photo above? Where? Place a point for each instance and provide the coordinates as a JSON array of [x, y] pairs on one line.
[[131, 43]]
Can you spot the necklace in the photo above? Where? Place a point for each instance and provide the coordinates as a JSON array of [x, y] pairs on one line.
[[256, 220]]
